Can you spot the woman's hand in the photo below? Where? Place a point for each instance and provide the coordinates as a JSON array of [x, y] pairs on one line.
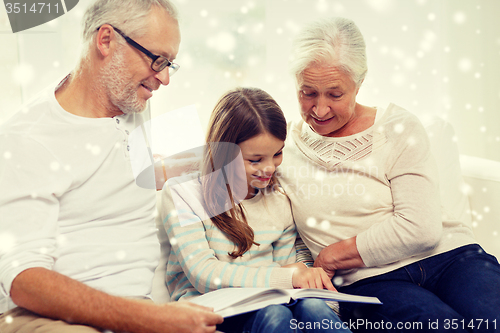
[[304, 277], [340, 255]]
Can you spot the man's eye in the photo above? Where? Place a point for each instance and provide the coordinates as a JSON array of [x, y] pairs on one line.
[[308, 93]]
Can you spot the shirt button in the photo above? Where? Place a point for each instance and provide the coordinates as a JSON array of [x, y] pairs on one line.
[[117, 120], [128, 148], [126, 131]]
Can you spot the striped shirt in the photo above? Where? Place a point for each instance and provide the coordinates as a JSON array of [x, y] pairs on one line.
[[199, 259]]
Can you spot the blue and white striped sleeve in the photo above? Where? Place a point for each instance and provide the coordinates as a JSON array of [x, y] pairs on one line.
[[183, 214]]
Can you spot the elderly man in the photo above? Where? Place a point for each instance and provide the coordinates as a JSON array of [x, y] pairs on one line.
[[81, 245]]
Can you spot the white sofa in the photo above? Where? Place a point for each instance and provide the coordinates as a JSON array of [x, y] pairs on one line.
[[482, 179], [470, 189]]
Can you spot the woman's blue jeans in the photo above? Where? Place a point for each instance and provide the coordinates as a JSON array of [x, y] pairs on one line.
[[305, 315], [456, 291]]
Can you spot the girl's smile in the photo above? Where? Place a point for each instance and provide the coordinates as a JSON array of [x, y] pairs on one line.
[[262, 154]]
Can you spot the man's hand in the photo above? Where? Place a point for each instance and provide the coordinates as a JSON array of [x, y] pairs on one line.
[[54, 295], [180, 317], [304, 277]]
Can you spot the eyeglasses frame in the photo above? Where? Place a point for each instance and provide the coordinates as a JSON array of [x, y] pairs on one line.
[[173, 67]]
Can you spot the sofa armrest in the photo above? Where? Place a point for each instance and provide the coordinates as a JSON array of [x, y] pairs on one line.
[[482, 178]]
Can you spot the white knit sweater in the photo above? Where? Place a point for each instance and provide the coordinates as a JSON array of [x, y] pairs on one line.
[[380, 185]]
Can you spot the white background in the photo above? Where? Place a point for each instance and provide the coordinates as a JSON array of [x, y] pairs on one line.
[[432, 57]]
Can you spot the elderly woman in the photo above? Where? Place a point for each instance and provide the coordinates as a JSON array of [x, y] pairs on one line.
[[364, 192]]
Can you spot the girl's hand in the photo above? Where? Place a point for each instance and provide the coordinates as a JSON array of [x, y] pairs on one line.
[[311, 278]]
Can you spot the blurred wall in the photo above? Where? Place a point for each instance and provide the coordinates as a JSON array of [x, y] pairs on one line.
[[433, 57]]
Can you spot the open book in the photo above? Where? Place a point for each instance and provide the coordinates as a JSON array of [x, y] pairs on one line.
[[232, 301]]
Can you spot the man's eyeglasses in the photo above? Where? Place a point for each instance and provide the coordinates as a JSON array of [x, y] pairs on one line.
[[158, 62]]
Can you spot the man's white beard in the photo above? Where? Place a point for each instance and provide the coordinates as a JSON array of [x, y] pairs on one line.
[[117, 84]]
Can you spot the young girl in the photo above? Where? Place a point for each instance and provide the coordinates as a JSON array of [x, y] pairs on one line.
[[232, 226]]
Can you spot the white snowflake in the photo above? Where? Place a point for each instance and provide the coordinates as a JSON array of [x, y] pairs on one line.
[[311, 222], [399, 128], [61, 240], [54, 166], [338, 280], [380, 5], [466, 190], [223, 42], [23, 73], [322, 6], [465, 64], [325, 225], [7, 242], [459, 17], [120, 255]]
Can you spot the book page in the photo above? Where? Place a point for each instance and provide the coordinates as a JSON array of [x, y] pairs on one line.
[[232, 301], [225, 297], [256, 303]]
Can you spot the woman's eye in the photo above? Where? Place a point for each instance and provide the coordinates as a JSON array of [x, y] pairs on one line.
[[336, 95]]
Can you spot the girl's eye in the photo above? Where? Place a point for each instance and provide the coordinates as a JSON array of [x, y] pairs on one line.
[[255, 161], [278, 154]]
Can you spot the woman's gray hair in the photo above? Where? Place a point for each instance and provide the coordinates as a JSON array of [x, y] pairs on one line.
[[129, 16], [331, 42]]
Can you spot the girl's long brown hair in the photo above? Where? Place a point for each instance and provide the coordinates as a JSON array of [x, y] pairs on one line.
[[239, 115]]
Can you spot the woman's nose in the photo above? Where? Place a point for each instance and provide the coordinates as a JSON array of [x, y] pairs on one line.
[[321, 109]]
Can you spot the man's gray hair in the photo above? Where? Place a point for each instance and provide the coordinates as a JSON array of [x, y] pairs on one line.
[[130, 16], [331, 42]]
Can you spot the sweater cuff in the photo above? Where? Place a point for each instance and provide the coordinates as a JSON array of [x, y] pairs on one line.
[[281, 278], [364, 250]]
